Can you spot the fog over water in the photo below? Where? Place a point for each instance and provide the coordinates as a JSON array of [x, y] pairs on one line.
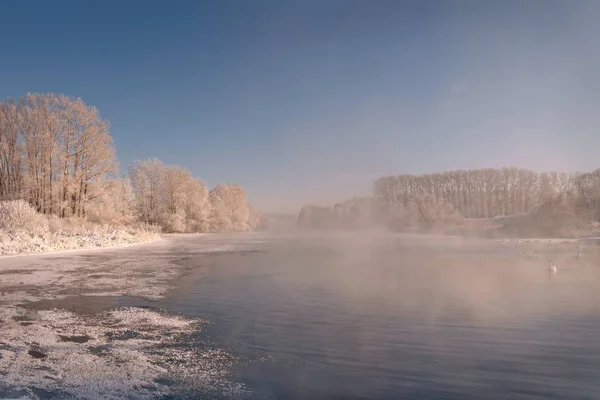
[[319, 315], [386, 316]]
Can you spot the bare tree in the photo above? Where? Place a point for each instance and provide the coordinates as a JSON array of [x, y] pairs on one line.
[[147, 180]]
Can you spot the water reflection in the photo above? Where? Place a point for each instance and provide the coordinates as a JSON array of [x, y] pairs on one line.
[[400, 317]]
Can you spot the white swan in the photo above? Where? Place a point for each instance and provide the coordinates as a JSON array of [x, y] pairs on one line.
[[552, 266]]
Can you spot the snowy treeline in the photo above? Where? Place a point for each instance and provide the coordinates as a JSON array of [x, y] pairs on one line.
[[549, 203], [56, 154], [169, 196], [478, 193], [357, 212], [422, 210]]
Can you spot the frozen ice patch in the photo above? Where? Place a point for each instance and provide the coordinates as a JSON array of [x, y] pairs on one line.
[[133, 353]]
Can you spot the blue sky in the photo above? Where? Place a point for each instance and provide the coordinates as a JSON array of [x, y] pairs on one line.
[[310, 101]]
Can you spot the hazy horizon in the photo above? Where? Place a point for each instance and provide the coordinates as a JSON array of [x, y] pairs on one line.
[[310, 102]]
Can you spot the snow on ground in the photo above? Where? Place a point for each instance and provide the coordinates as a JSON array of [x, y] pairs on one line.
[[115, 353], [122, 353], [97, 237]]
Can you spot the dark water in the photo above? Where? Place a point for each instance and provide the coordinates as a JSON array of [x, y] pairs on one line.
[[401, 318]]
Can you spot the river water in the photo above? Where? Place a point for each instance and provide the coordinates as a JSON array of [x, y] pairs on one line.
[[365, 317]]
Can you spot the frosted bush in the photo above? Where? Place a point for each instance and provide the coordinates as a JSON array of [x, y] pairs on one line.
[[19, 216], [145, 227], [174, 223], [195, 226], [75, 225], [55, 224], [25, 231]]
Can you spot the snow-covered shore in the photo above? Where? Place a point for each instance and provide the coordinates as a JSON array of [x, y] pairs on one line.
[[51, 345], [97, 237], [23, 230]]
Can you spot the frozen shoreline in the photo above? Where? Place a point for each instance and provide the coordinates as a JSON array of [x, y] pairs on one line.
[[99, 237], [121, 352], [82, 249], [113, 352]]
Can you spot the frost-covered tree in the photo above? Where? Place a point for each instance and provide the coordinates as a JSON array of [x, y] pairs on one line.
[[56, 154], [91, 151], [147, 181], [54, 148], [319, 217], [196, 206], [168, 195], [115, 203], [354, 213], [11, 152], [175, 181], [430, 211], [229, 210], [257, 221], [478, 193], [587, 195]]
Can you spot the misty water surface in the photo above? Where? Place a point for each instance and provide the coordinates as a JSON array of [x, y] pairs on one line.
[[377, 316]]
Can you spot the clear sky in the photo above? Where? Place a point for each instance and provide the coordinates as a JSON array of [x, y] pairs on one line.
[[310, 101]]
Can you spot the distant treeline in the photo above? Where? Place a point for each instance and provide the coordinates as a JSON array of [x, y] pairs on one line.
[[358, 212], [448, 197], [479, 193]]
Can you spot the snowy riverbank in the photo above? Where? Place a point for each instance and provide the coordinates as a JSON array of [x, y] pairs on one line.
[[77, 325], [23, 231], [15, 243]]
